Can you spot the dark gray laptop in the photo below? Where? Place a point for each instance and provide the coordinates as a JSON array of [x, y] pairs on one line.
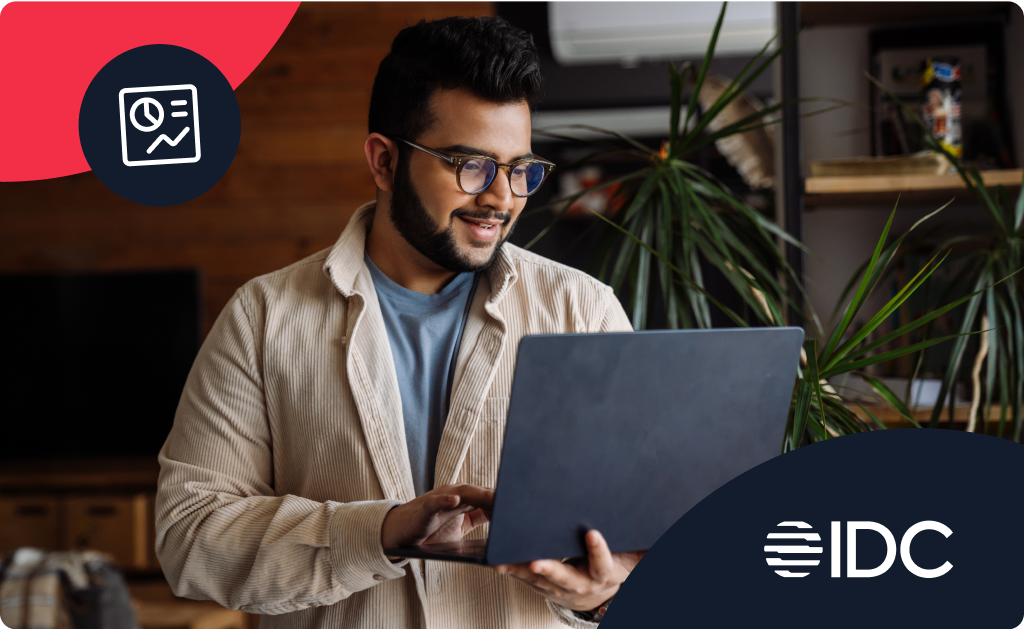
[[625, 432]]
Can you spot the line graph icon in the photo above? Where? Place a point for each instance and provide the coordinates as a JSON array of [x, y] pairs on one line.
[[176, 139]]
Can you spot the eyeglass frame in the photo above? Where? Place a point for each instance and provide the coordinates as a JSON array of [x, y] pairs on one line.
[[460, 160]]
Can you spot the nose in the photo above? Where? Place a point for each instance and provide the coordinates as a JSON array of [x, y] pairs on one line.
[[498, 196]]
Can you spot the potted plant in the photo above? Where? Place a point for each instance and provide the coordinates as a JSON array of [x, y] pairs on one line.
[[674, 215], [678, 215]]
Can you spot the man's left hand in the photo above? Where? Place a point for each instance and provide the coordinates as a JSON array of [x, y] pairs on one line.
[[581, 586]]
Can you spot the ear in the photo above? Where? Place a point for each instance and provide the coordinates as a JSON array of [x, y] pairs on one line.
[[382, 158]]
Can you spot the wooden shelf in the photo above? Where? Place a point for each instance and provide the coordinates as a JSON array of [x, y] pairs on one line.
[[884, 189], [892, 419]]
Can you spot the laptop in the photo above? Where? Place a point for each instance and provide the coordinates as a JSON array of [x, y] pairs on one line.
[[624, 433]]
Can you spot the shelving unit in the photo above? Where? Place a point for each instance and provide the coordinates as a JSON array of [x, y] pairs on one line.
[[911, 188], [797, 193]]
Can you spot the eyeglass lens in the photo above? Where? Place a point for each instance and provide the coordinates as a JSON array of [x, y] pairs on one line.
[[526, 178], [477, 174]]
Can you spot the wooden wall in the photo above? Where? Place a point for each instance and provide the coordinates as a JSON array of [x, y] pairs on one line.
[[298, 175]]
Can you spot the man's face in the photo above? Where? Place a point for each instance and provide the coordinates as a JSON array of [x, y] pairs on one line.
[[457, 231]]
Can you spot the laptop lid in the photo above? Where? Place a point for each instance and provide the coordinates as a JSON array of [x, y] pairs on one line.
[[625, 432]]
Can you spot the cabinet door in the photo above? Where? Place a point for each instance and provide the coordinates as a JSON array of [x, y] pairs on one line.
[[116, 525], [29, 522]]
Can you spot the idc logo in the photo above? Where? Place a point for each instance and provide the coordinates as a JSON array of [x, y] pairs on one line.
[[793, 555], [785, 542], [845, 551]]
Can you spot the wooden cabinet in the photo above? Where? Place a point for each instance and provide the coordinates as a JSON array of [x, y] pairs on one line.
[[115, 525], [103, 505], [30, 521], [119, 525]]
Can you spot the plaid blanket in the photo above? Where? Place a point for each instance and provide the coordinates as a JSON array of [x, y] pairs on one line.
[[32, 590]]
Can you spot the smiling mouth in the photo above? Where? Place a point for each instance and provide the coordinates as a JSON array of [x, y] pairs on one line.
[[485, 221], [482, 231], [481, 224]]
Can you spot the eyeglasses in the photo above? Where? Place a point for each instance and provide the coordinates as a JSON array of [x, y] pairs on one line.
[[474, 173]]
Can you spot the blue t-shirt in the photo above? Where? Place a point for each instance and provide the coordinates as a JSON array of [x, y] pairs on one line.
[[424, 332]]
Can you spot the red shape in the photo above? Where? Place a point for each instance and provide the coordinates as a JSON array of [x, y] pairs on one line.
[[50, 51]]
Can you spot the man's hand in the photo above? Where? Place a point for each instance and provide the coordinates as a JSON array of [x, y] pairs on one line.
[[583, 585], [445, 514]]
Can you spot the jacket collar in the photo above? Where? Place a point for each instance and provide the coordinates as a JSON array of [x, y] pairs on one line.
[[345, 260]]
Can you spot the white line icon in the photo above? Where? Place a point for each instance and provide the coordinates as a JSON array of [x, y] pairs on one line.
[[146, 102], [146, 114]]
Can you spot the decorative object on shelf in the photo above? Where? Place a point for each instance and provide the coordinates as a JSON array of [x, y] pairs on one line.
[[940, 102], [675, 216], [899, 58]]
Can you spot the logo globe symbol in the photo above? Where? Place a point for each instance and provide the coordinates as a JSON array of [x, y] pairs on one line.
[[786, 541]]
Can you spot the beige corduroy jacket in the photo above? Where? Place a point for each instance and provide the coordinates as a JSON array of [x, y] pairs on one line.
[[288, 447]]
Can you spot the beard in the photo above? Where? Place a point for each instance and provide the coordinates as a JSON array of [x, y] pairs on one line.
[[434, 242]]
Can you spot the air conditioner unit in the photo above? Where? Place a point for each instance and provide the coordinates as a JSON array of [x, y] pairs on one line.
[[630, 32]]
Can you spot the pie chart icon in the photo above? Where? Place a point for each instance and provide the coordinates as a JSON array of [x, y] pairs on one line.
[[147, 102]]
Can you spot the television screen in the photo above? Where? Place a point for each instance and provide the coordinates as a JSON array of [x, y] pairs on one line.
[[92, 365]]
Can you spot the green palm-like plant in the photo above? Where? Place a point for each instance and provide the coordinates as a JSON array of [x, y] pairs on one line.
[[818, 411], [994, 309], [676, 215]]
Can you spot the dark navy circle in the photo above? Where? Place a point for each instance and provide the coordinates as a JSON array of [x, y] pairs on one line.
[[159, 125]]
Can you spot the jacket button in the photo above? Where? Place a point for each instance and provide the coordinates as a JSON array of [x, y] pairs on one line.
[[378, 577]]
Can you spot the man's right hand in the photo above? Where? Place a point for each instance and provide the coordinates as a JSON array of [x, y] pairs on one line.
[[445, 514]]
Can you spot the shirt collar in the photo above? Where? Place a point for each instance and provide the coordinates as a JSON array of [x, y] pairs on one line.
[[345, 259]]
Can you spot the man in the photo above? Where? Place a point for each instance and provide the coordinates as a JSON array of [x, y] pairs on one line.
[[356, 400]]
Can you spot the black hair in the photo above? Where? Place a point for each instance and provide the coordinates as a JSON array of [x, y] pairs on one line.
[[486, 56]]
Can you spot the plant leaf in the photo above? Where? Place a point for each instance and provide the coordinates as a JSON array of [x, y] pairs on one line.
[[957, 353], [811, 348], [883, 390], [708, 56], [896, 353], [862, 291], [871, 415]]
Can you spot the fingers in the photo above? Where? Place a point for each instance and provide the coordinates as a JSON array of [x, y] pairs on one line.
[[473, 519], [576, 585], [602, 564], [440, 502], [543, 576], [480, 497]]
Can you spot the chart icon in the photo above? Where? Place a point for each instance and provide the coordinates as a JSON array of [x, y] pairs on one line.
[[156, 89], [159, 125]]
